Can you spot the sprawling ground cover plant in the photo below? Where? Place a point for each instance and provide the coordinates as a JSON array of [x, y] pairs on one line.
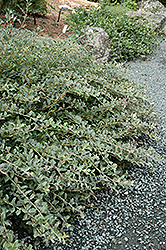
[[130, 36], [68, 126]]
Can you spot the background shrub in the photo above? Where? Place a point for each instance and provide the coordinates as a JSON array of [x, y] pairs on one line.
[[130, 1], [16, 4], [129, 36], [131, 4], [68, 126], [163, 2]]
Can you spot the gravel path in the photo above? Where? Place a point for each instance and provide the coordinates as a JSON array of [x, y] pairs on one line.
[[133, 219]]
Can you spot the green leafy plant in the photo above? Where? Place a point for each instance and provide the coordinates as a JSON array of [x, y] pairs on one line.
[[68, 127], [163, 2], [20, 5], [129, 35], [55, 23], [130, 4], [52, 8]]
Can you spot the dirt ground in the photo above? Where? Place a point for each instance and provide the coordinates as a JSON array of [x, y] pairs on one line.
[[50, 27]]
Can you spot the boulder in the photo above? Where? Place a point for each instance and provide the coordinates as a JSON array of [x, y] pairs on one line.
[[153, 6], [97, 43], [153, 11]]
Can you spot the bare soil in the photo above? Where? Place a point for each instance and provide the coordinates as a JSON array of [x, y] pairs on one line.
[[50, 27]]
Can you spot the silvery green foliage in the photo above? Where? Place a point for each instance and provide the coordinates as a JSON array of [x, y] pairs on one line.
[[68, 126]]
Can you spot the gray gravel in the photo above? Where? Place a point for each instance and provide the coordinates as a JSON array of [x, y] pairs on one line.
[[136, 218]]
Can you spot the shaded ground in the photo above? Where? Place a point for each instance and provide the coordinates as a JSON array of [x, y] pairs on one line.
[[48, 23]]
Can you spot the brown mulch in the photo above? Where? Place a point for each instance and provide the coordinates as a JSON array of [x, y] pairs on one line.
[[48, 23]]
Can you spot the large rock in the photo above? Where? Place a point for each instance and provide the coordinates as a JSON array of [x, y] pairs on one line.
[[153, 6], [97, 43], [153, 11]]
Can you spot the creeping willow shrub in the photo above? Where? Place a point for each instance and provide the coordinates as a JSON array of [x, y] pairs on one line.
[[130, 36], [68, 126]]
